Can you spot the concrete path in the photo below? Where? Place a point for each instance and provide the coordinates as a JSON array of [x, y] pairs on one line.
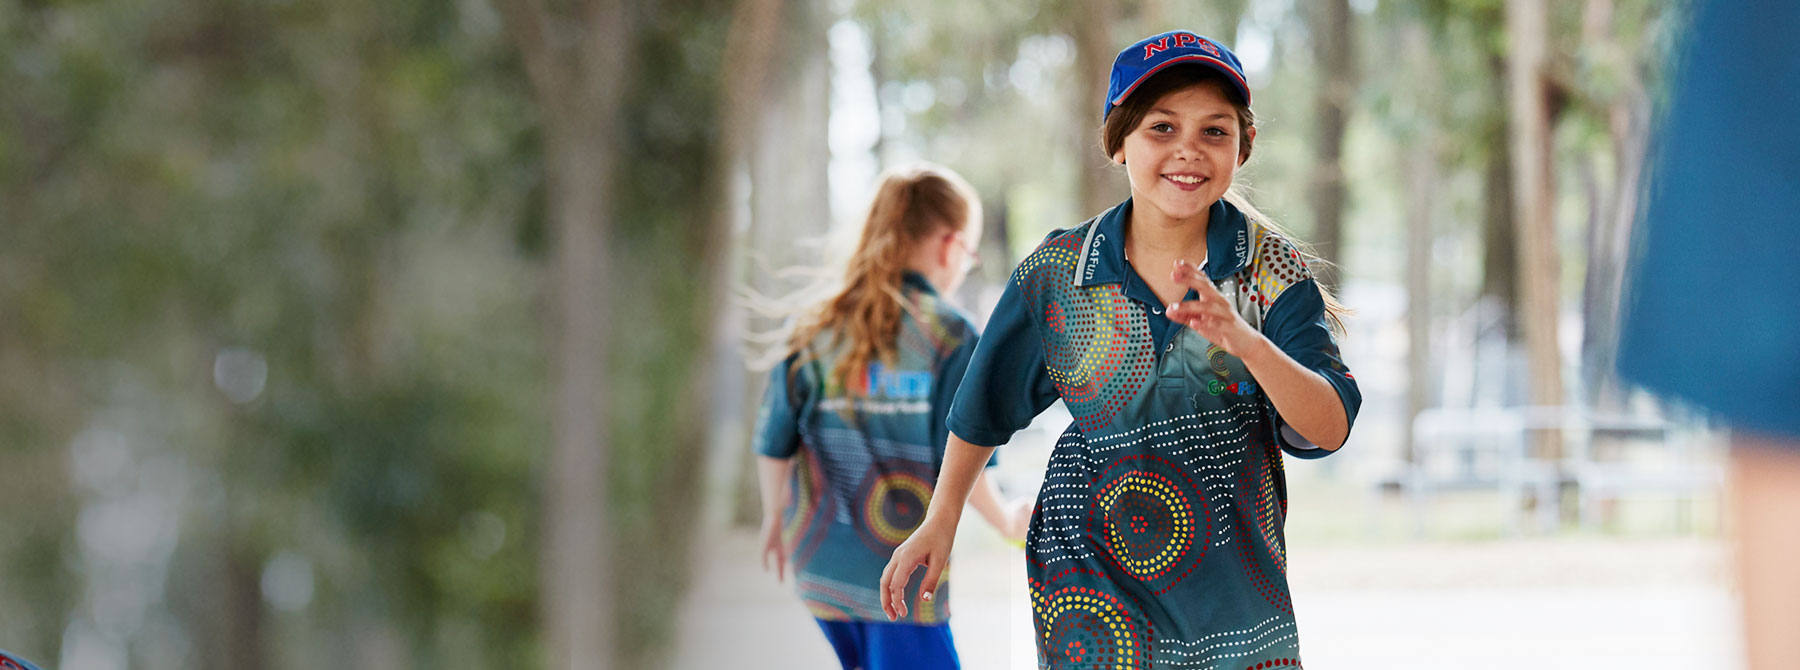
[[1536, 603]]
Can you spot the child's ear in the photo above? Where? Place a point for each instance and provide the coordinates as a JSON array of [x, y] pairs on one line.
[[1244, 151], [1118, 157]]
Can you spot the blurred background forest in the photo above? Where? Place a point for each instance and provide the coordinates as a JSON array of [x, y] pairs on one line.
[[403, 334]]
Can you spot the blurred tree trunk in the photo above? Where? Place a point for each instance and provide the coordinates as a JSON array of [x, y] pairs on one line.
[[1090, 24], [1499, 241], [1421, 183], [1535, 197], [786, 155], [1334, 58], [576, 63], [661, 224]]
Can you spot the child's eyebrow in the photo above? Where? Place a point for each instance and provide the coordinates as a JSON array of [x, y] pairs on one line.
[[1165, 112]]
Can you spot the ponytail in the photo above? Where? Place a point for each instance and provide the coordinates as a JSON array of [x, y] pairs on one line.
[[911, 205]]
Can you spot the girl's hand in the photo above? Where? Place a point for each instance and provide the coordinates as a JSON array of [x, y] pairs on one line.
[[772, 545], [929, 546], [1211, 314]]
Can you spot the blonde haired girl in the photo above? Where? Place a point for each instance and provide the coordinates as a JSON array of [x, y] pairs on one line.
[[851, 431]]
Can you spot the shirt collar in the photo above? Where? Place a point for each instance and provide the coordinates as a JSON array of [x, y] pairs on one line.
[[1103, 249], [912, 279]]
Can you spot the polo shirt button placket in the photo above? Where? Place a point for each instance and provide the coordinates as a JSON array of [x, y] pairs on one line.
[[1171, 383]]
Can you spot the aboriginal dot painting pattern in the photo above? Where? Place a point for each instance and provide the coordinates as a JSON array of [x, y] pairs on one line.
[[1277, 663], [809, 514], [1097, 344], [1087, 627], [1277, 265], [892, 501], [1149, 521], [865, 469], [1265, 562], [1147, 533], [1271, 508]]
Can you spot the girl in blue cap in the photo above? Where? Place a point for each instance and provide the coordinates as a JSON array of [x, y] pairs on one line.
[[851, 432], [1190, 341]]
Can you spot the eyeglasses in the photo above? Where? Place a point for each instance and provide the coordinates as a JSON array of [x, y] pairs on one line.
[[968, 249]]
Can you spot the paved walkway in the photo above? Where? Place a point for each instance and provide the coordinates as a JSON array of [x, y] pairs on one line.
[[1534, 603]]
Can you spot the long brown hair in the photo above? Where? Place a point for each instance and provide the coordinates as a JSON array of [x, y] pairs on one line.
[[1130, 113], [912, 204]]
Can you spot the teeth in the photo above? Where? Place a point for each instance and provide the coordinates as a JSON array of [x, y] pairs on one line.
[[1184, 179]]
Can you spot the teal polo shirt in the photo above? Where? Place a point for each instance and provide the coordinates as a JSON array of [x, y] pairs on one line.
[[866, 463], [1157, 540]]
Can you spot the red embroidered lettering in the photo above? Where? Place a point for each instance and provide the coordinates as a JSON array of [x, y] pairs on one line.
[[1185, 39], [1153, 47]]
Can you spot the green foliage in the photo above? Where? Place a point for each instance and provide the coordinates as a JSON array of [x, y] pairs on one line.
[[338, 188]]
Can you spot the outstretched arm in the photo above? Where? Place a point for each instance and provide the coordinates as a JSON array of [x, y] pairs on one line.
[[929, 545]]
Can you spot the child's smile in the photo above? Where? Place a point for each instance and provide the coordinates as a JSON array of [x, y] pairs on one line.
[[1186, 181], [1182, 156]]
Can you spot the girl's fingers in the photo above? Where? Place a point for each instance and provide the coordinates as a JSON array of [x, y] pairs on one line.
[[897, 592], [887, 578], [893, 583], [1191, 277], [1184, 312], [1207, 297], [933, 570]]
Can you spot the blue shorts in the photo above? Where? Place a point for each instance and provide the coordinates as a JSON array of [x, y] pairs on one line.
[[879, 645]]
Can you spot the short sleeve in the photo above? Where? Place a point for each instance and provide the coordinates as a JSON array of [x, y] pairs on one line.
[[1296, 323], [950, 374], [1006, 384], [778, 419]]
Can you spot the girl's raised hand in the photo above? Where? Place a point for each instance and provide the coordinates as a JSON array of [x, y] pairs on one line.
[[1211, 314], [929, 546]]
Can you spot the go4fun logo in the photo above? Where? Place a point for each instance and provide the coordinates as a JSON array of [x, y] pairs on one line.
[[1220, 387]]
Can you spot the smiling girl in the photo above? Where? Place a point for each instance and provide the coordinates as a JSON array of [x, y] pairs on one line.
[[1193, 347]]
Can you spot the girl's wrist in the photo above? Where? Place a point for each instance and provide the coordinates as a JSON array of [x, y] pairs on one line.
[[935, 517], [1260, 352]]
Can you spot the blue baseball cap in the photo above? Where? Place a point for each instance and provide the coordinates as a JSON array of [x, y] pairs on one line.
[[11, 662], [1176, 47]]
